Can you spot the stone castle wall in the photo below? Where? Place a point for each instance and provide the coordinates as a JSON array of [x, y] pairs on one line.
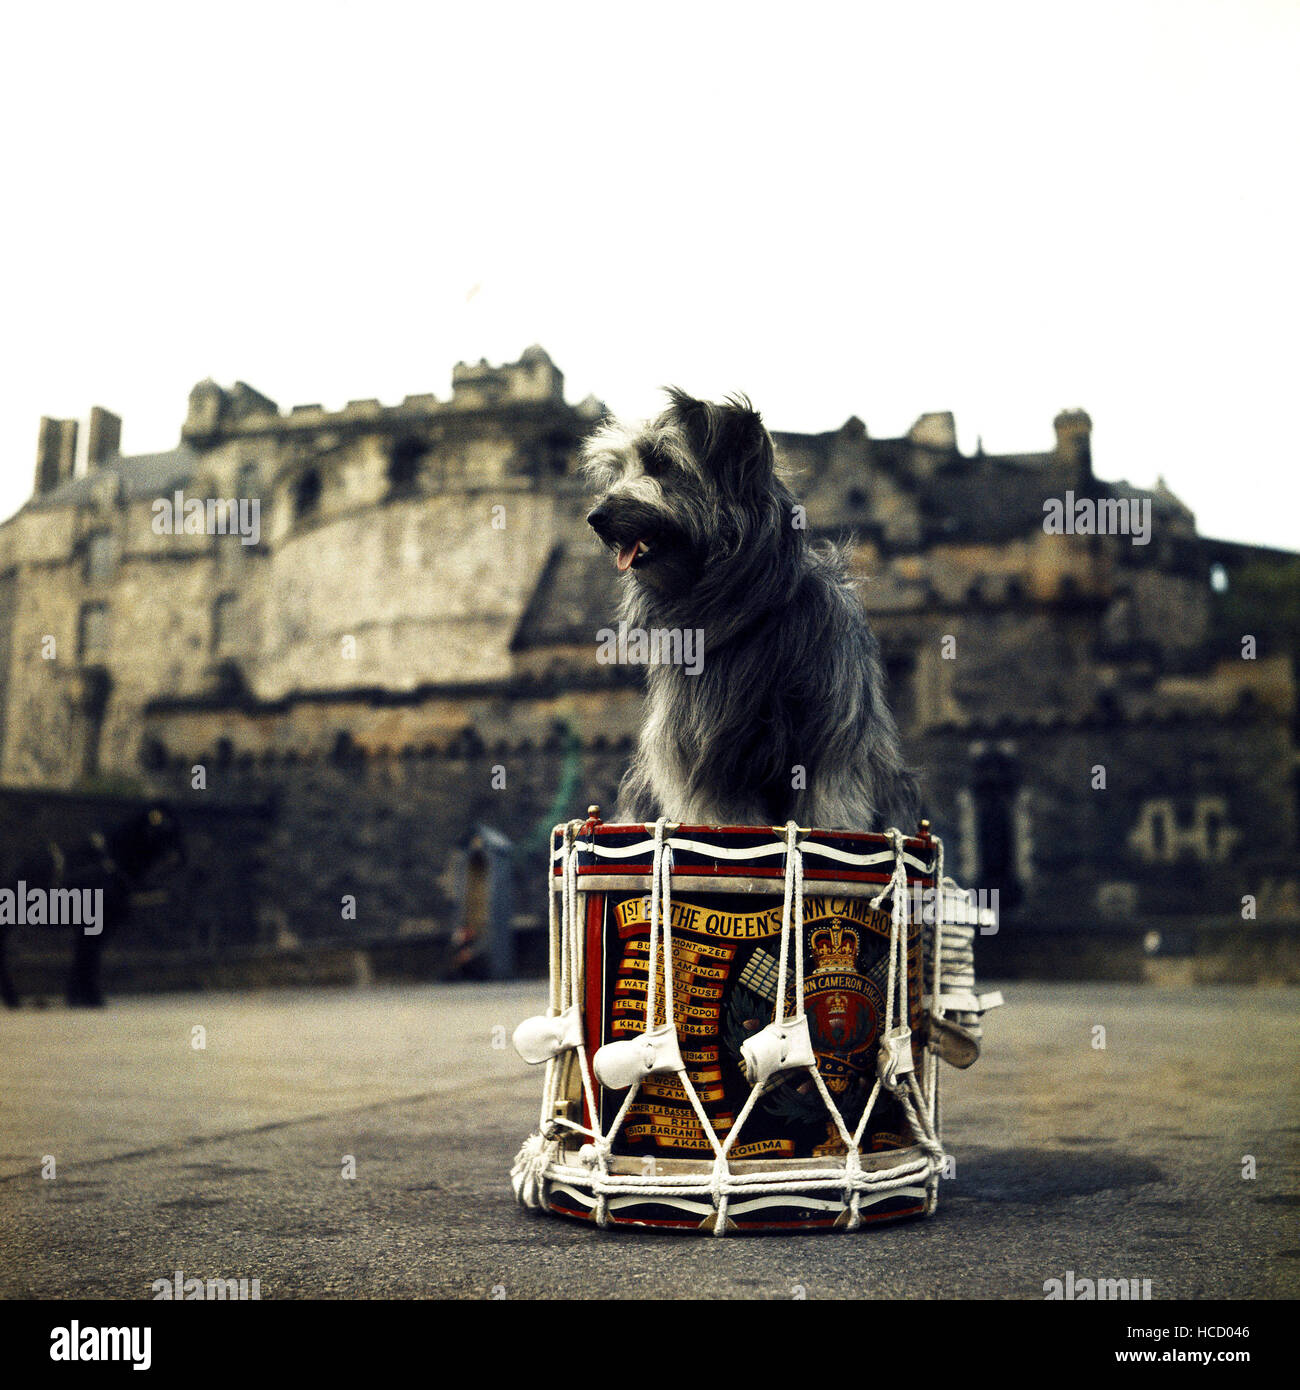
[[410, 650], [428, 532]]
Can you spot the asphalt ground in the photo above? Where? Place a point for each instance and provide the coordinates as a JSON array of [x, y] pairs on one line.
[[227, 1160]]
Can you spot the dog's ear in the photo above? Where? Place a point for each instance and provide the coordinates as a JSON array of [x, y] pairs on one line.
[[729, 440], [693, 418]]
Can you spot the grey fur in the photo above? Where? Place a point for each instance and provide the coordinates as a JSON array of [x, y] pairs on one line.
[[792, 674]]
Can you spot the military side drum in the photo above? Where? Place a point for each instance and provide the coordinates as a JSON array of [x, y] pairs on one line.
[[736, 1035]]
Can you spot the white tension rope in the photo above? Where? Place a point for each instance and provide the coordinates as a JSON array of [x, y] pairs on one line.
[[783, 1046]]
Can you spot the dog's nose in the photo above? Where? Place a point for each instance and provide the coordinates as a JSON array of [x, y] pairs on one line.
[[598, 518]]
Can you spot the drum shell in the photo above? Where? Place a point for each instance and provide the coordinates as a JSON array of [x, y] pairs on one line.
[[726, 934]]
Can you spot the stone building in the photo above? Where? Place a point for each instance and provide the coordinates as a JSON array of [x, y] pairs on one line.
[[401, 645]]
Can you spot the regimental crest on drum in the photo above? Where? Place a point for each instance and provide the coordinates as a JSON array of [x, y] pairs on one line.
[[725, 979]]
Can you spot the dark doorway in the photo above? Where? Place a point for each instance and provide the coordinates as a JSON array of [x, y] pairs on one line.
[[995, 780]]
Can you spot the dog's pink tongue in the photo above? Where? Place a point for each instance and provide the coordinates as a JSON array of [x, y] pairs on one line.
[[628, 554]]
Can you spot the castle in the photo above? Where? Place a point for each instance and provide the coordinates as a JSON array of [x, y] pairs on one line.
[[403, 646]]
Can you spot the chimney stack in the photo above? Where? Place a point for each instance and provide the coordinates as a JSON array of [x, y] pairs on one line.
[[56, 453], [104, 436]]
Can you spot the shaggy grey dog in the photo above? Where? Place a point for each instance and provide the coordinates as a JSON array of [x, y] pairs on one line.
[[787, 717]]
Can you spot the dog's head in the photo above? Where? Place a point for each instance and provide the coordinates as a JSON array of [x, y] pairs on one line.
[[681, 492]]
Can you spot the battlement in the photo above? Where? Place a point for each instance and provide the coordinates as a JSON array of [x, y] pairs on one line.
[[1074, 438], [216, 412], [482, 387]]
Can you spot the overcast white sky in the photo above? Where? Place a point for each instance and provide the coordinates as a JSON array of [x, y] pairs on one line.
[[874, 208]]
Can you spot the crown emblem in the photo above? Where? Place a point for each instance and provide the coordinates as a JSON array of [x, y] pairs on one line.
[[836, 947]]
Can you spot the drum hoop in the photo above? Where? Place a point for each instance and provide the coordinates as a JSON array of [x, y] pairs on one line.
[[876, 837], [685, 840], [694, 883], [832, 1165]]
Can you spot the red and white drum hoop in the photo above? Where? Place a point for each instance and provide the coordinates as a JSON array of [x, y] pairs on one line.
[[742, 1087]]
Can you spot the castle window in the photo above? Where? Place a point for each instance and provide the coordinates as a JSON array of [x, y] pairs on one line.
[[900, 669], [246, 484], [153, 754], [1218, 579], [223, 622], [92, 633], [100, 554], [306, 495], [553, 452], [404, 466], [857, 499]]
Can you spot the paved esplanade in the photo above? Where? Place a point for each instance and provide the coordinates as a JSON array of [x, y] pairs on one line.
[[226, 1160]]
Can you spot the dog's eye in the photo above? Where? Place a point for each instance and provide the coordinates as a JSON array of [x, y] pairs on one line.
[[653, 463]]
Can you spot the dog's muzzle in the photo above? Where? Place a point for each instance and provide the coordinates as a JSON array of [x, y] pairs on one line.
[[598, 518], [614, 531]]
